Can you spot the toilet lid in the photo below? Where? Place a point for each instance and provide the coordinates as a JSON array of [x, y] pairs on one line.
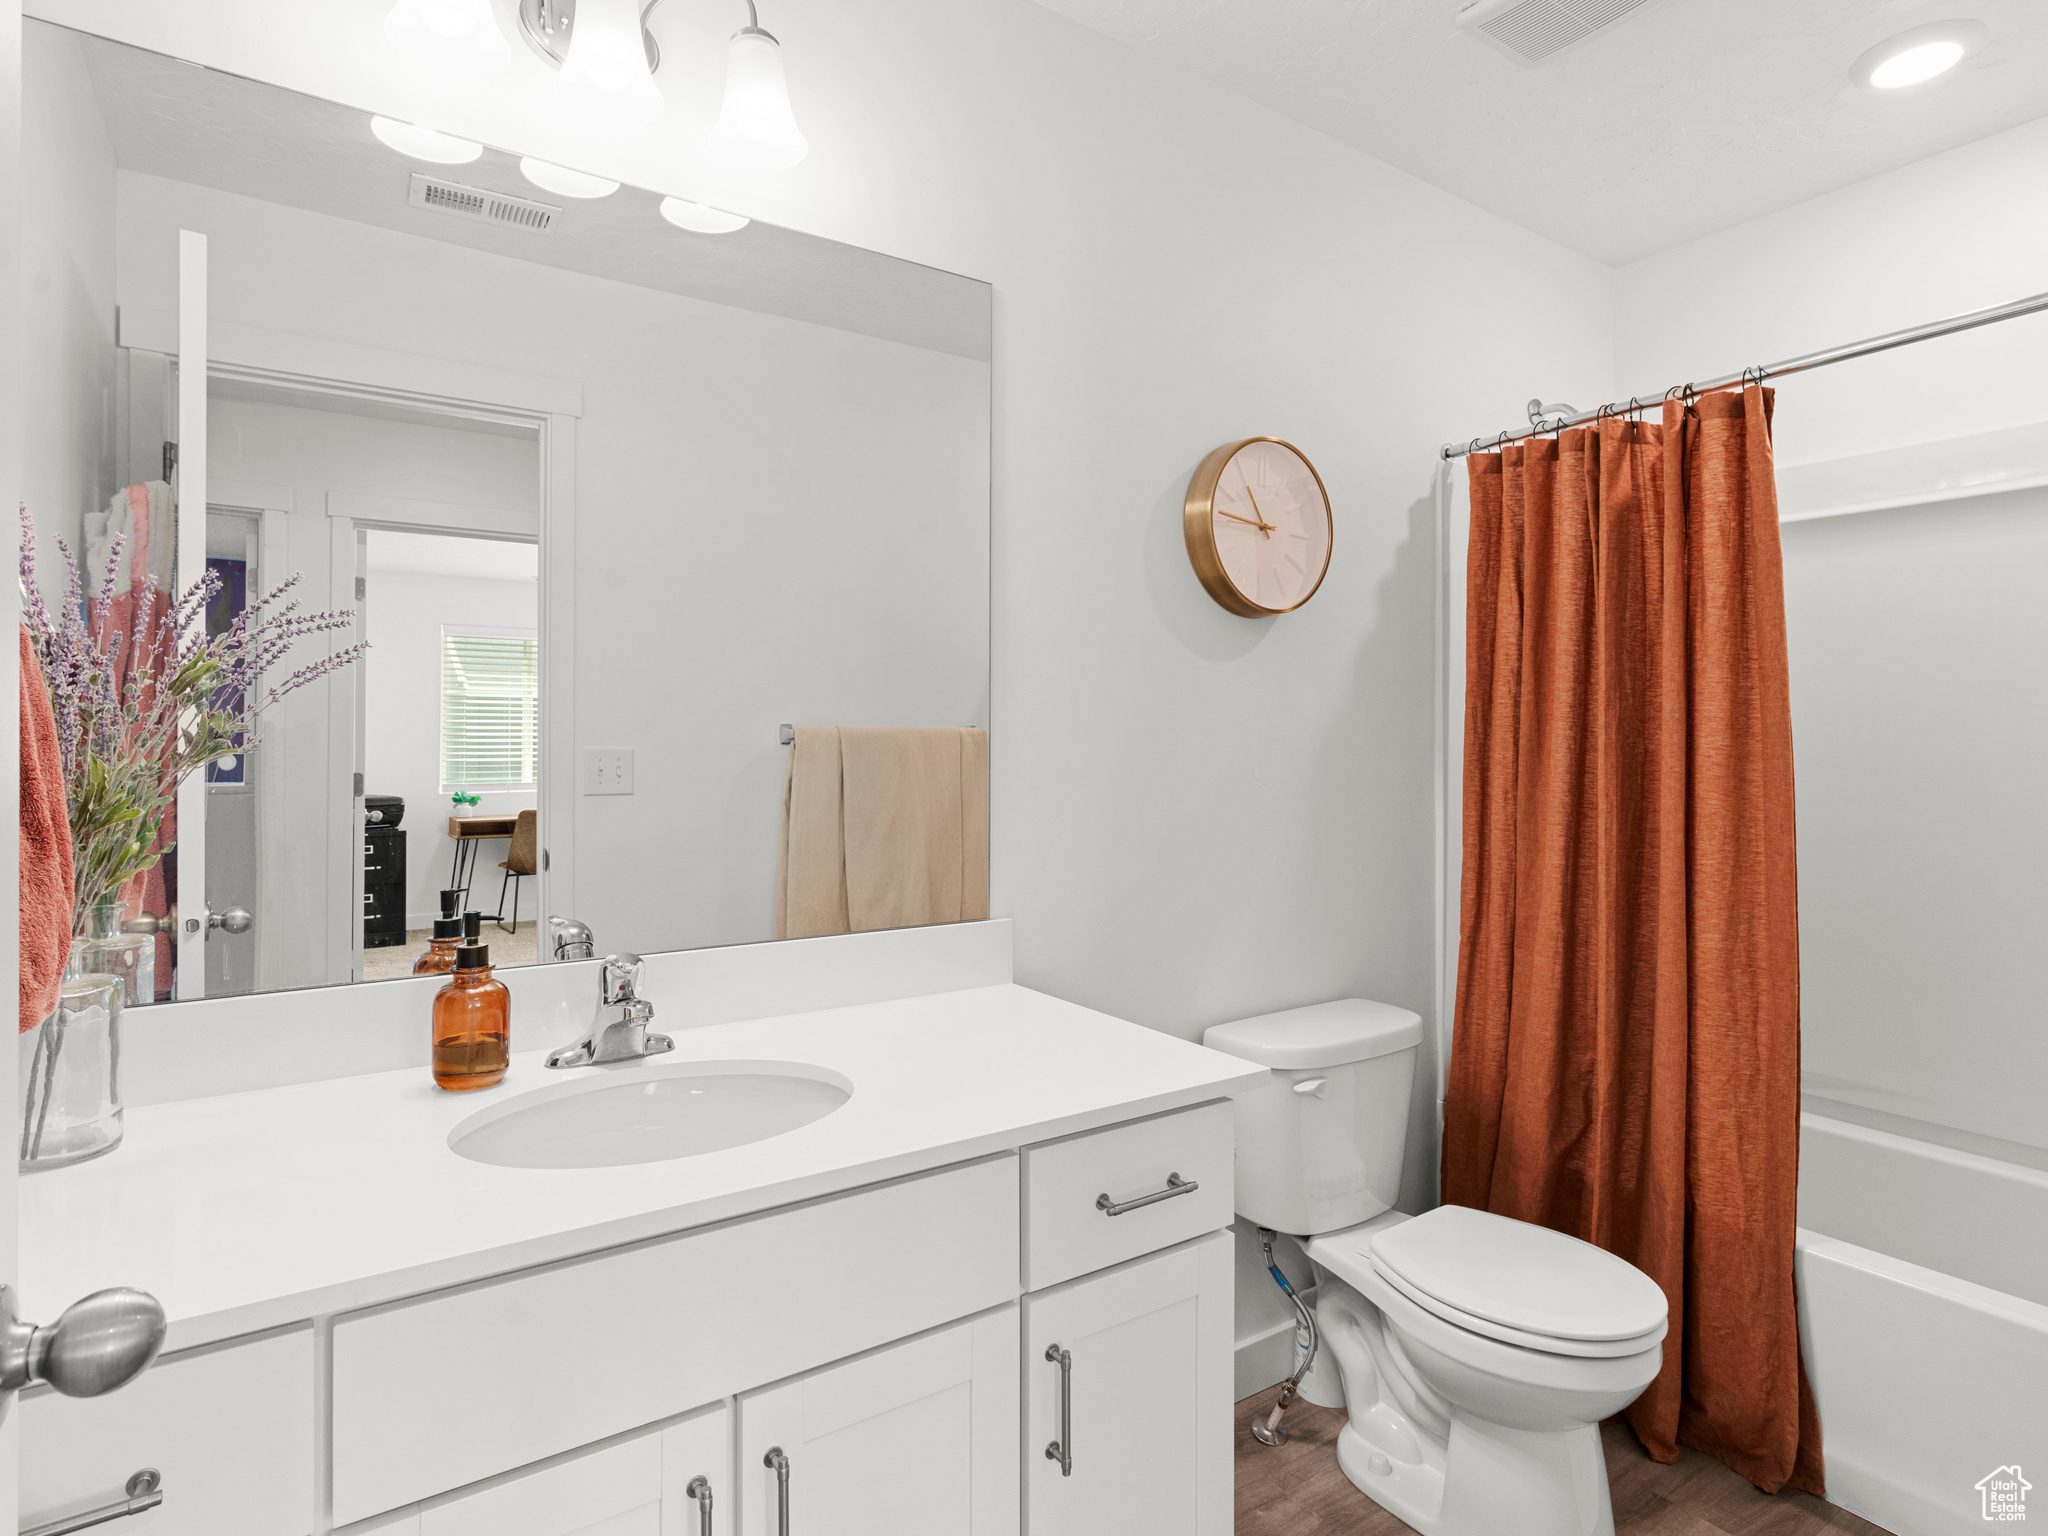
[[1518, 1276]]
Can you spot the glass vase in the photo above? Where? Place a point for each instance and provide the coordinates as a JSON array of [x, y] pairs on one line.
[[101, 948], [71, 1074]]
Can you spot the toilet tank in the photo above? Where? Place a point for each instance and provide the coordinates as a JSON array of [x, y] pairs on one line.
[[1321, 1146]]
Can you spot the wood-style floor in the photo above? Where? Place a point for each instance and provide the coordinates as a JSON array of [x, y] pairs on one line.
[[1298, 1489]]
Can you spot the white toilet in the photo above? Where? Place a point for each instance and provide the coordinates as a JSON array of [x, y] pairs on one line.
[[1477, 1354]]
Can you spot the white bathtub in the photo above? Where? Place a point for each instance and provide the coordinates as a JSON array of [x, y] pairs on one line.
[[1923, 1309]]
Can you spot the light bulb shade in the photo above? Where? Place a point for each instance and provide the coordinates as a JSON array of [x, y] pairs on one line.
[[755, 124], [425, 143], [458, 36], [605, 79], [563, 182], [685, 214]]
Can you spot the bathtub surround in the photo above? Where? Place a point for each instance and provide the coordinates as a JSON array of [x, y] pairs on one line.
[[1628, 968]]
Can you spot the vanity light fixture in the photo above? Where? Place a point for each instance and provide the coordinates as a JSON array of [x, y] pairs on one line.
[[685, 214], [606, 75], [1918, 55], [756, 127], [755, 124], [425, 143], [563, 182], [460, 36]]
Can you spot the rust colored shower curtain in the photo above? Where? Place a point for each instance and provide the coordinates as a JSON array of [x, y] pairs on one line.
[[1625, 1063]]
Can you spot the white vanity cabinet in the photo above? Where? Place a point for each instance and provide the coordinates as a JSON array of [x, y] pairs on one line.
[[1128, 1328], [897, 1347], [1127, 1385], [917, 1439], [229, 1428]]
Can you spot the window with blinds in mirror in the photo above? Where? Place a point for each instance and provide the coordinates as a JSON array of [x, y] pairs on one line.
[[490, 708]]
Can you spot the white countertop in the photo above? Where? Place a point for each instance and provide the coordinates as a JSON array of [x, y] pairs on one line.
[[258, 1209]]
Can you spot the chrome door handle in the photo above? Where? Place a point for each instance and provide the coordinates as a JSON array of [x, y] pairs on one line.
[[100, 1343], [780, 1463], [144, 1492], [700, 1490], [1062, 1449], [1175, 1185]]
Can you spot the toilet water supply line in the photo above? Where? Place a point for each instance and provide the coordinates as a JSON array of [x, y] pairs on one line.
[[1306, 1340]]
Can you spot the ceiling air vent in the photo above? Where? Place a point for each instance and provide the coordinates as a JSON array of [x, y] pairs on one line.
[[485, 207], [1533, 31]]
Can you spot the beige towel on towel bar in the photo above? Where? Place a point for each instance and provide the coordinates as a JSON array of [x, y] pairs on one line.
[[883, 827]]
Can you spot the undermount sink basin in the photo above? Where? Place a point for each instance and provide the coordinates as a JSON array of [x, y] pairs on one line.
[[681, 1109]]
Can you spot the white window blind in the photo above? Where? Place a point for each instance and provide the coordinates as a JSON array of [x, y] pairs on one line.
[[490, 709]]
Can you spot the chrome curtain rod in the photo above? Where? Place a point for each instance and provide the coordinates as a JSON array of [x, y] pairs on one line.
[[1842, 354]]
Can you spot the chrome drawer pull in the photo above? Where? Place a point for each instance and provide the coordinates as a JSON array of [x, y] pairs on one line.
[[1062, 1449], [1175, 1185], [700, 1490], [145, 1492], [780, 1463]]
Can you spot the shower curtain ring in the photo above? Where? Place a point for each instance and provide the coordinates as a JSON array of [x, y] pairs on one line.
[[1473, 446]]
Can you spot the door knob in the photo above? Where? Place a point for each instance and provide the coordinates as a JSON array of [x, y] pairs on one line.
[[100, 1343], [235, 920]]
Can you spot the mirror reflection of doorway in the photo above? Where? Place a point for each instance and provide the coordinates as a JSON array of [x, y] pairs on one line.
[[451, 708]]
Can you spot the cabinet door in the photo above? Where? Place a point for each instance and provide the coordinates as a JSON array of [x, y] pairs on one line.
[[915, 1439], [1147, 1437], [635, 1487], [612, 1492]]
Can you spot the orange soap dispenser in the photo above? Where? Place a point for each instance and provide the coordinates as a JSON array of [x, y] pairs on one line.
[[472, 1024], [440, 955]]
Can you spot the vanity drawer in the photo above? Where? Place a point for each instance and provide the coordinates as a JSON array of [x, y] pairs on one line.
[[229, 1427], [1067, 1230], [435, 1394]]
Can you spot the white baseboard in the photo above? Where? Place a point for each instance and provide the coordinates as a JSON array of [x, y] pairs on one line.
[[1263, 1360]]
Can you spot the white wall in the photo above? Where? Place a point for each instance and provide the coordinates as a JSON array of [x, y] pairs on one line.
[[1955, 232], [68, 304], [1917, 638], [402, 743]]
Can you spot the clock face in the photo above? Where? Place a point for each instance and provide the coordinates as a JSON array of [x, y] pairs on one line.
[[1268, 528]]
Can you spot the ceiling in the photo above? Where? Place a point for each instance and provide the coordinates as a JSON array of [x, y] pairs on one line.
[[1685, 117], [187, 123]]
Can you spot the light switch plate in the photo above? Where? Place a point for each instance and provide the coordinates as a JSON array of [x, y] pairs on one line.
[[607, 770]]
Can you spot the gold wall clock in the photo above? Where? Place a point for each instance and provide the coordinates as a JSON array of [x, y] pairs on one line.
[[1258, 526]]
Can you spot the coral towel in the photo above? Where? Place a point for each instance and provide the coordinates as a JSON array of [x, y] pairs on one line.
[[45, 849]]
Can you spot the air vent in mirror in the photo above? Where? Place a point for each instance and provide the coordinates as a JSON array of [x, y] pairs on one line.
[[485, 207], [1531, 31]]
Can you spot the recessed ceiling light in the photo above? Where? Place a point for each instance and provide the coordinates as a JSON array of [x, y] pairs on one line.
[[425, 143], [1918, 55], [685, 214], [563, 182]]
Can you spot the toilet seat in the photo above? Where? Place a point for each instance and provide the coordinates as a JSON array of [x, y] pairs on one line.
[[1592, 1349], [1520, 1283]]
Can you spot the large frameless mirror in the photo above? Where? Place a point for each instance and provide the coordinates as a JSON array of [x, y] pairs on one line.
[[640, 555]]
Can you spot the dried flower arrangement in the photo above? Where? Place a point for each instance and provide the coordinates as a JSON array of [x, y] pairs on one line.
[[128, 745]]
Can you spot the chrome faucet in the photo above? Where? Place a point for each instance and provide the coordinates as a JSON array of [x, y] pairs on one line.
[[619, 1032], [572, 939]]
